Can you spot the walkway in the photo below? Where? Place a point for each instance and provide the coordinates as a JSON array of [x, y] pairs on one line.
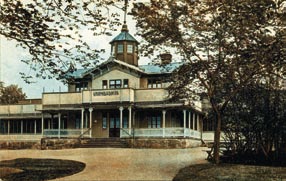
[[119, 164]]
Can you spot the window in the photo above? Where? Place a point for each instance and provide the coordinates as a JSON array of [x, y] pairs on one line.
[[153, 83], [104, 84], [115, 84], [154, 122], [120, 48], [129, 48], [104, 120], [125, 122], [15, 126], [81, 86], [77, 123], [112, 50], [125, 83]]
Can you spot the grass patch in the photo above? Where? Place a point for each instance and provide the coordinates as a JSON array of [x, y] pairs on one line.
[[229, 172], [26, 169]]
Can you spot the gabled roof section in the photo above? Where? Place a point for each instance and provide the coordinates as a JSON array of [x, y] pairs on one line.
[[79, 73], [143, 69], [160, 69]]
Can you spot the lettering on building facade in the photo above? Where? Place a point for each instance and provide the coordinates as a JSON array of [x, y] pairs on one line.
[[106, 93]]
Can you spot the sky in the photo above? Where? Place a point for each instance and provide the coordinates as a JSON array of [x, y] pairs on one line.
[[11, 65]]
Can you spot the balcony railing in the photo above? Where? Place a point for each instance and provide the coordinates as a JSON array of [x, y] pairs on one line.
[[20, 109], [143, 95], [160, 132], [105, 96], [62, 133], [62, 98]]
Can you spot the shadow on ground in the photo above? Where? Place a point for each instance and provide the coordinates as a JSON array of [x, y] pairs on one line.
[[235, 172], [26, 169]]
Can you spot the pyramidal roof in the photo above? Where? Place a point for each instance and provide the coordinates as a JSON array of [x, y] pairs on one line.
[[124, 35]]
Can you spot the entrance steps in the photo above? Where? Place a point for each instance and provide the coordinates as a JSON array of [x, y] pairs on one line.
[[103, 143]]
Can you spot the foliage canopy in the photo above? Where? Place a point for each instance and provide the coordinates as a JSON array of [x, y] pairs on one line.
[[52, 32], [227, 45]]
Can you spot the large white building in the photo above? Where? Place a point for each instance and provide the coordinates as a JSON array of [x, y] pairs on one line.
[[118, 98]]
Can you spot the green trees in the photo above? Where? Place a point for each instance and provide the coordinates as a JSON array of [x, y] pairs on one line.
[[11, 94], [52, 32], [227, 46]]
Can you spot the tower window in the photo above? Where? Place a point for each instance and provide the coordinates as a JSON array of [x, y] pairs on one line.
[[129, 48], [120, 48], [112, 50]]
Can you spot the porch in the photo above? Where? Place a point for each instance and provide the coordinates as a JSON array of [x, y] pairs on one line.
[[124, 122]]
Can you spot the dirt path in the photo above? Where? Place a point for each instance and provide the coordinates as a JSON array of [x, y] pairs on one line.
[[119, 164]]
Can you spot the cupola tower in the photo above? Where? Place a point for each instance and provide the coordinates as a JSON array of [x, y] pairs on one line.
[[124, 47]]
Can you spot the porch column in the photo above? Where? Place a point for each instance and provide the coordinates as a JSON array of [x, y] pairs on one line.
[[189, 120], [49, 123], [21, 126], [59, 125], [35, 127], [86, 119], [90, 121], [184, 111], [194, 120], [121, 117], [198, 122], [8, 131], [82, 118], [42, 124], [134, 122], [129, 121], [164, 121]]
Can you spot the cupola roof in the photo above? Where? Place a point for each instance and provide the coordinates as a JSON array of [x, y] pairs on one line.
[[124, 35]]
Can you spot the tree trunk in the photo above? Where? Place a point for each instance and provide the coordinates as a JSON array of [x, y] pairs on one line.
[[217, 139]]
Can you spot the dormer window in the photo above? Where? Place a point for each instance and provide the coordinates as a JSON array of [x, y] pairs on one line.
[[120, 48], [129, 48]]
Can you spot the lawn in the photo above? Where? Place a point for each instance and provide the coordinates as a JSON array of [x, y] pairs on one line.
[[229, 172], [27, 169]]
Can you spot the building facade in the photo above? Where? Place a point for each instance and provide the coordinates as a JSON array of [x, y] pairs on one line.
[[118, 98]]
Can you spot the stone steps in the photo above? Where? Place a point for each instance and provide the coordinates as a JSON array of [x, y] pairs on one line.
[[103, 143]]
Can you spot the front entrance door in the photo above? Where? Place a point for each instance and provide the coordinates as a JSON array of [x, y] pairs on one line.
[[114, 126]]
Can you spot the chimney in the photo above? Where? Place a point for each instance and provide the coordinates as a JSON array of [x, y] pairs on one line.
[[166, 58]]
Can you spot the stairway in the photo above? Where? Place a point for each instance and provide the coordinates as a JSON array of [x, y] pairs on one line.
[[103, 143]]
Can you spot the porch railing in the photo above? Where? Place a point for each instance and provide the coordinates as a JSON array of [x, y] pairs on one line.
[[65, 133], [161, 132]]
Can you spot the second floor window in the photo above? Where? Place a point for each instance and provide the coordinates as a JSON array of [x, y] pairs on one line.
[[81, 86], [115, 84], [104, 84], [125, 83], [153, 83]]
